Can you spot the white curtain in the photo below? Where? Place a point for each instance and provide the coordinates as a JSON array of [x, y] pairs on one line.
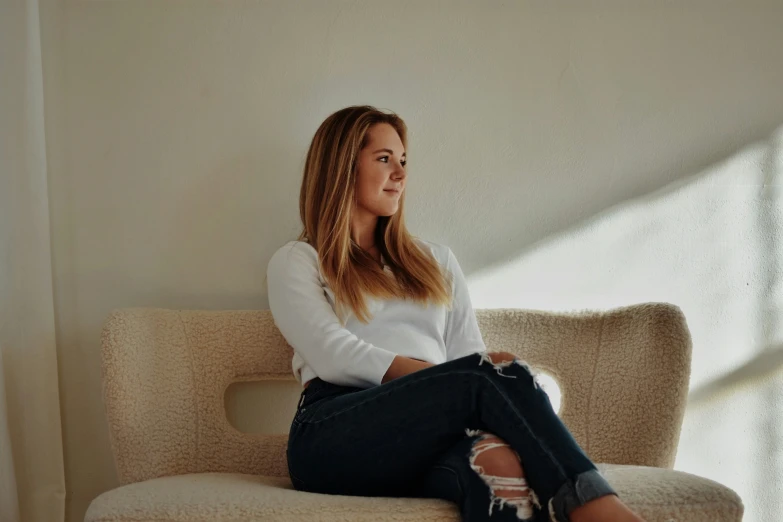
[[32, 484]]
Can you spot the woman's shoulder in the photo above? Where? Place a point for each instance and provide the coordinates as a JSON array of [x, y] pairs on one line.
[[298, 248], [441, 253], [292, 255]]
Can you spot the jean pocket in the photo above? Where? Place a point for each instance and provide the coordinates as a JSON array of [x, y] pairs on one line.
[[299, 404], [311, 401], [305, 413]]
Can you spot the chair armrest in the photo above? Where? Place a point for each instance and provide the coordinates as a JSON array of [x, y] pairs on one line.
[[623, 374]]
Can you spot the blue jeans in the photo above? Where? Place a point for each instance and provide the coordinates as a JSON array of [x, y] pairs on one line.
[[407, 438]]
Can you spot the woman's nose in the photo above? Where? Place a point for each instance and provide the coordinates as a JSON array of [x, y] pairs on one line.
[[399, 172]]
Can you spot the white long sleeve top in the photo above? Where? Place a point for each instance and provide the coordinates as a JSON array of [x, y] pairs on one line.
[[359, 354]]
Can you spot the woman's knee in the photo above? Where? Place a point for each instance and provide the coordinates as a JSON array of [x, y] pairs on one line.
[[489, 367], [491, 455], [501, 357], [499, 466], [506, 365]]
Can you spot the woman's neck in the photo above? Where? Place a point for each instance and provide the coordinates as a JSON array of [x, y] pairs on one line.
[[363, 227]]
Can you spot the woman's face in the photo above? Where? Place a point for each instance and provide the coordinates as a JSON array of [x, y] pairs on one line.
[[380, 176]]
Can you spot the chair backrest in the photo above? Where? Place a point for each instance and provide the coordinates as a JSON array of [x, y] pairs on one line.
[[623, 376]]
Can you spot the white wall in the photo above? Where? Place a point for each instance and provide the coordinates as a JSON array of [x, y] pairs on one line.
[[547, 148]]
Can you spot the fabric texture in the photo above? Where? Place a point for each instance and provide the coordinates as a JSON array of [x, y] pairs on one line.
[[352, 353], [656, 494], [623, 375]]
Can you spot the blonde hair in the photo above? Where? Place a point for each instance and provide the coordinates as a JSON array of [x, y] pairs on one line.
[[326, 201]]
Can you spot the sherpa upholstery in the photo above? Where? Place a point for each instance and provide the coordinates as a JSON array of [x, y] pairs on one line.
[[623, 375]]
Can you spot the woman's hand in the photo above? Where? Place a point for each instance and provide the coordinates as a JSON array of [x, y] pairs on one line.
[[501, 357], [402, 366]]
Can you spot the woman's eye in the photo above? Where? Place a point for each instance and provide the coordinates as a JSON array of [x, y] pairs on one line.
[[385, 159]]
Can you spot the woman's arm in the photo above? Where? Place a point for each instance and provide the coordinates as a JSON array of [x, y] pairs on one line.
[[307, 321]]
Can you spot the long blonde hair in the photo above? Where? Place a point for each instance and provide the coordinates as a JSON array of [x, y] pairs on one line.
[[326, 201]]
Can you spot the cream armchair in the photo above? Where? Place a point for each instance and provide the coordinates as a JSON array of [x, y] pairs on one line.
[[623, 375]]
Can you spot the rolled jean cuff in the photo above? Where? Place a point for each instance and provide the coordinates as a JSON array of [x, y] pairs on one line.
[[588, 486]]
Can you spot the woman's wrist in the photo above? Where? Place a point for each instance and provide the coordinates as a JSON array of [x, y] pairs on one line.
[[402, 366]]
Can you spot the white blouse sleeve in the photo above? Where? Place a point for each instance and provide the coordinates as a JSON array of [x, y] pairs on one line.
[[307, 321], [463, 336]]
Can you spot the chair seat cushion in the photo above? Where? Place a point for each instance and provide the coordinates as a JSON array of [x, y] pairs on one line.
[[663, 495], [658, 495]]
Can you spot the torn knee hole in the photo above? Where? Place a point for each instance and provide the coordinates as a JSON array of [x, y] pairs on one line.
[[496, 458], [499, 467]]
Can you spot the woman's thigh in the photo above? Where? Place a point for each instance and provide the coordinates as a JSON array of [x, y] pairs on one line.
[[379, 441]]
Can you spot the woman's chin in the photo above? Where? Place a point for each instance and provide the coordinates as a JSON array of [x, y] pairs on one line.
[[388, 211]]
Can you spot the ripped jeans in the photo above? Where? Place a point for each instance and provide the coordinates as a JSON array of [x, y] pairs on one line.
[[417, 436]]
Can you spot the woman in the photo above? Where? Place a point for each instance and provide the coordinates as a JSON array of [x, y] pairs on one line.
[[400, 395]]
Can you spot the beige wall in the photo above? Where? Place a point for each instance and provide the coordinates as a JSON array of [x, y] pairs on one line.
[[545, 142]]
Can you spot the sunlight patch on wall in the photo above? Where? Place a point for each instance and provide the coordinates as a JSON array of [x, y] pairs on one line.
[[710, 244], [705, 245]]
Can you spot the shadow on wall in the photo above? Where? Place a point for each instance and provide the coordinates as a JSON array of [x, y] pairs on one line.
[[764, 365], [699, 243], [710, 244]]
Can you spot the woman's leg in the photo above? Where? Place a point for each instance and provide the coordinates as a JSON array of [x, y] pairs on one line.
[[483, 476], [372, 442]]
